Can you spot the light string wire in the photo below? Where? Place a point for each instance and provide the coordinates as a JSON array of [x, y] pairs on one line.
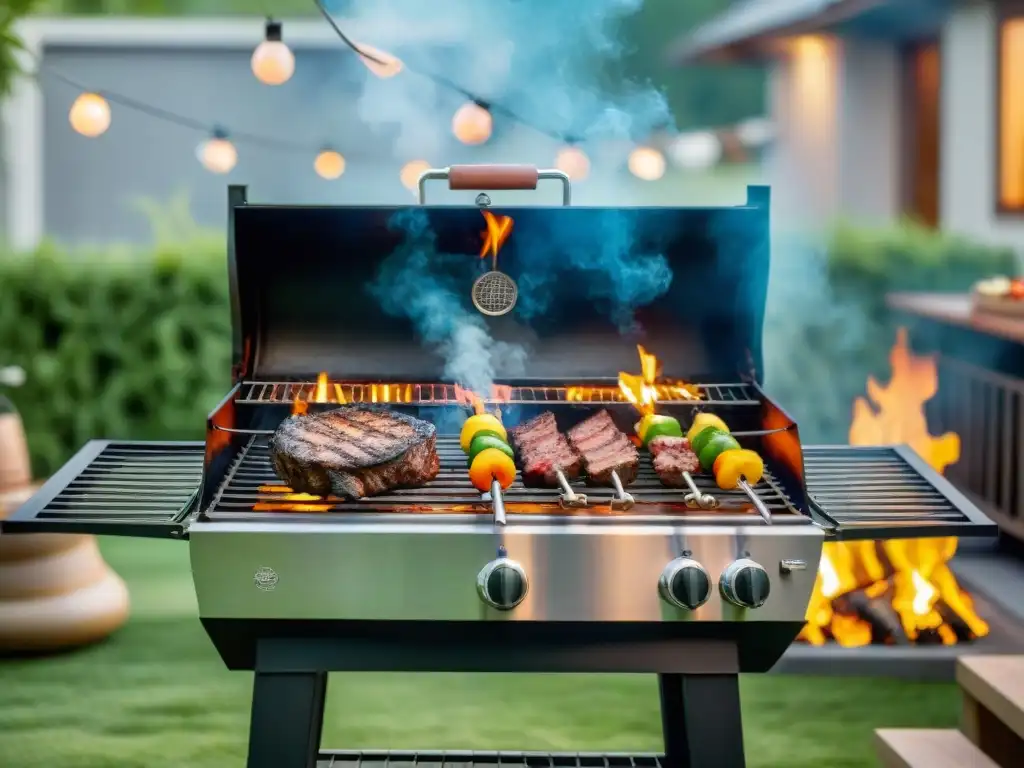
[[43, 71]]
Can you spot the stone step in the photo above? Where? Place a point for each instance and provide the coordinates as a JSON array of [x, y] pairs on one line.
[[928, 748]]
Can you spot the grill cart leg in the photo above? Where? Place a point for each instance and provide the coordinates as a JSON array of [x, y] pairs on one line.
[[700, 720], [287, 718]]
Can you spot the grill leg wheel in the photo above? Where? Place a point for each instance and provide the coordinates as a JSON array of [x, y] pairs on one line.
[[700, 721], [287, 719]]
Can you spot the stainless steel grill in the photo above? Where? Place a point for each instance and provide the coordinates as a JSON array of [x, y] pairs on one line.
[[280, 392], [251, 490]]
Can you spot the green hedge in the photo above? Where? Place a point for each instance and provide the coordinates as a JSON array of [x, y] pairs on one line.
[[123, 345], [137, 345]]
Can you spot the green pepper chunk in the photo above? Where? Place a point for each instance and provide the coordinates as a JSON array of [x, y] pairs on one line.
[[702, 438], [485, 439], [661, 426], [715, 447]]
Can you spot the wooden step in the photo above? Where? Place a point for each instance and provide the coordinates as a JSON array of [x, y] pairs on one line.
[[993, 714], [997, 683], [928, 748]]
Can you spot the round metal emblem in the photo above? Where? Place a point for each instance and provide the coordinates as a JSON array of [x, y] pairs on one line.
[[265, 578]]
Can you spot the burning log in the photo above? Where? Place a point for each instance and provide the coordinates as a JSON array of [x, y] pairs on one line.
[[873, 605]]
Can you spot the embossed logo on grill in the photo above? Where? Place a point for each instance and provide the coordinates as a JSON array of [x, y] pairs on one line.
[[265, 578]]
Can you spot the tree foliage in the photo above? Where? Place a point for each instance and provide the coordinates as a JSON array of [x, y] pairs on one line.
[[10, 44]]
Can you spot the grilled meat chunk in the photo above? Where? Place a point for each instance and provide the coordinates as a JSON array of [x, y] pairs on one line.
[[354, 451], [542, 451], [672, 457], [604, 448]]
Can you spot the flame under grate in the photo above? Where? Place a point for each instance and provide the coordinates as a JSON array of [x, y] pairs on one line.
[[286, 392], [252, 486]]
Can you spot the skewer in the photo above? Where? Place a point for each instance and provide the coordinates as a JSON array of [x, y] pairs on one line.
[[568, 497], [762, 510], [622, 499], [497, 503], [695, 498]]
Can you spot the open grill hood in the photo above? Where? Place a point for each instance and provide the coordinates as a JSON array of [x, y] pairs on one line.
[[306, 302]]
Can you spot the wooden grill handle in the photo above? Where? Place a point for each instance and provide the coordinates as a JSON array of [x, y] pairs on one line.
[[495, 177]]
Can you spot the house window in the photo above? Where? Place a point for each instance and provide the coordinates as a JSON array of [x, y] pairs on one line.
[[922, 73], [1010, 114]]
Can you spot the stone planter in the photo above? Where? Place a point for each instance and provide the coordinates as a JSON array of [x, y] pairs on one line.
[[56, 591]]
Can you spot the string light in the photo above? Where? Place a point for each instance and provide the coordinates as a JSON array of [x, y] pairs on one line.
[[472, 123], [696, 151], [573, 162], [273, 62], [90, 115], [381, 63], [218, 154], [647, 163], [411, 173], [329, 164]]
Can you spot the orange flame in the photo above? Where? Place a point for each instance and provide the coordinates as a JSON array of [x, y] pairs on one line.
[[643, 391], [498, 230], [918, 574], [300, 406]]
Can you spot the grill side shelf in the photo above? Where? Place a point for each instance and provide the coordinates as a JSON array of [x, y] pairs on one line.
[[117, 488], [887, 492]]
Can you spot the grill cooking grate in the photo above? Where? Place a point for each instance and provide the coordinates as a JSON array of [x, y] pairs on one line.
[[467, 759], [144, 487], [252, 487], [869, 491], [277, 392]]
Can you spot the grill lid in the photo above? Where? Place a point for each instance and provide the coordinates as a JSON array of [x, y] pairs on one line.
[[370, 293]]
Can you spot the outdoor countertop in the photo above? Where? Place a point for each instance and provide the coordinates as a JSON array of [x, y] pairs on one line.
[[957, 309]]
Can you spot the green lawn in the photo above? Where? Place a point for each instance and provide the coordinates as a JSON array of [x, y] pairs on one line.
[[156, 696]]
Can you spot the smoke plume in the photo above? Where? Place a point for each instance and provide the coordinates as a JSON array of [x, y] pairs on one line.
[[415, 282], [541, 59]]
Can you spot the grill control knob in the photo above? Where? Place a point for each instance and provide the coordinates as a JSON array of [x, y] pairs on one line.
[[745, 583], [502, 584], [685, 584]]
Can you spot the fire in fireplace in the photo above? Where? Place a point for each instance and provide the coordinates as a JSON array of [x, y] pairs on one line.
[[899, 591]]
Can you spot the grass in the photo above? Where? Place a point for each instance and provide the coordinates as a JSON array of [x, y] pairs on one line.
[[156, 695]]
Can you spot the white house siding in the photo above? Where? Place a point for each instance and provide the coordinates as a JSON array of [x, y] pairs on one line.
[[836, 103], [967, 194], [869, 131]]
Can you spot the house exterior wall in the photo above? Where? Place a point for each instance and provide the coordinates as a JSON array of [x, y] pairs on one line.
[[968, 152], [836, 105]]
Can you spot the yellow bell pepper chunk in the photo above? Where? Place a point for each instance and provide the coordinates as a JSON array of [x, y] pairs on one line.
[[733, 466]]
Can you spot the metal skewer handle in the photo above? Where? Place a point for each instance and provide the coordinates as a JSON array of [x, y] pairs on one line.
[[622, 499], [494, 177], [696, 498], [497, 503], [762, 510], [569, 497]]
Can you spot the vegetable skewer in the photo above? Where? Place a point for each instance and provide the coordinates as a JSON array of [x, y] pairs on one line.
[[733, 467], [491, 465]]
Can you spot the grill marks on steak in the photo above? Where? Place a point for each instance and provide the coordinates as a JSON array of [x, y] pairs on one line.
[[354, 451], [543, 450], [604, 449], [672, 457]]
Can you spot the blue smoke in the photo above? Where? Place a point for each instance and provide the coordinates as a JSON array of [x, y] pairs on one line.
[[600, 262], [415, 281]]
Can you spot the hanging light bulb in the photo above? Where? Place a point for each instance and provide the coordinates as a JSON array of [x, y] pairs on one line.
[[696, 151], [386, 65], [573, 162], [411, 173], [273, 62], [90, 115], [472, 123], [647, 163], [218, 154], [329, 164]]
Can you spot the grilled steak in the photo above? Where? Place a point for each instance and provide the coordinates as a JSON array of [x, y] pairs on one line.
[[673, 457], [604, 448], [542, 450], [354, 451]]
